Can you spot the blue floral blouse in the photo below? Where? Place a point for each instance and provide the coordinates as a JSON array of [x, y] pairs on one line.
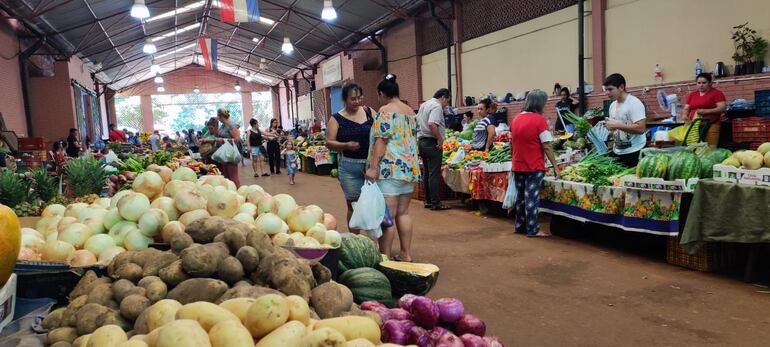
[[401, 160]]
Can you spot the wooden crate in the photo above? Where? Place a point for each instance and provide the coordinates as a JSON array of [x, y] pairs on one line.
[[711, 256]]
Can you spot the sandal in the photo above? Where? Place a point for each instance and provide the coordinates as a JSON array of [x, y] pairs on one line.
[[440, 208], [397, 258], [265, 175]]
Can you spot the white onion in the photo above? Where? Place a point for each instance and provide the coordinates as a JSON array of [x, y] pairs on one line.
[[184, 174], [98, 243], [135, 241], [33, 232], [81, 258], [223, 203], [282, 239], [73, 210], [65, 222], [165, 173], [297, 236], [187, 200], [308, 242], [31, 241], [318, 232], [52, 236], [91, 212], [54, 210], [148, 183], [152, 221], [112, 217], [116, 198], [47, 225], [243, 218], [330, 222], [333, 238], [75, 234], [269, 223], [56, 250], [249, 209], [174, 187], [118, 231], [105, 257], [133, 205], [303, 218], [96, 224], [255, 196], [192, 216], [166, 204]]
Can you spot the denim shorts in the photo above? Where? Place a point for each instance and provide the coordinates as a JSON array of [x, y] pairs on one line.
[[393, 187], [351, 175], [256, 152]]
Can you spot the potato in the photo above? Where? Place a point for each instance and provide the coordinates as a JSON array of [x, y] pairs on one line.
[[298, 309], [205, 313], [359, 343], [248, 257], [199, 261], [331, 299], [157, 262], [321, 273], [205, 229], [84, 282], [162, 312], [198, 289], [352, 327], [140, 337], [133, 343], [230, 334], [66, 334], [238, 306], [173, 274], [288, 335], [62, 344], [261, 242], [140, 325], [100, 294], [144, 256], [121, 288], [89, 317], [68, 317], [219, 238], [286, 273], [107, 336], [81, 341], [180, 241], [183, 332], [133, 305], [324, 337], [54, 319], [113, 317], [246, 291], [155, 287], [129, 271], [234, 239], [230, 270], [266, 314]]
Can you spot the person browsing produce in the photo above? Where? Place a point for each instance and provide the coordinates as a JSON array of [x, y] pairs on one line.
[[627, 120], [565, 104], [484, 132], [530, 138], [348, 133], [431, 139], [708, 103]]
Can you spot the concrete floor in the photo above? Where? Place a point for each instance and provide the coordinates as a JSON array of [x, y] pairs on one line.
[[563, 292]]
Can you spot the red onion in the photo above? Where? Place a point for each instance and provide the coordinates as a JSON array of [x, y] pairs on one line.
[[406, 302], [425, 312], [449, 340], [399, 313], [436, 333], [493, 341], [470, 340], [370, 305], [383, 312], [414, 335], [425, 341], [450, 309], [393, 332], [470, 324]]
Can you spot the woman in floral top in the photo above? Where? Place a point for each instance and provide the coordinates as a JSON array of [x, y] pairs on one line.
[[394, 163]]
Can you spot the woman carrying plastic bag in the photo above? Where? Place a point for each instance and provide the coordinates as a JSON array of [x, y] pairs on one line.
[[369, 211]]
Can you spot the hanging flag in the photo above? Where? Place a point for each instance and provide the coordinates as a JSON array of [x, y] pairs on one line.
[[209, 52], [233, 11]]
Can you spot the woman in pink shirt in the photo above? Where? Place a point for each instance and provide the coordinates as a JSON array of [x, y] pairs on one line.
[[530, 139]]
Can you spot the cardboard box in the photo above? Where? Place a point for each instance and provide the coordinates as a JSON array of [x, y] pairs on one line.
[[28, 222], [7, 301], [726, 173], [659, 184]]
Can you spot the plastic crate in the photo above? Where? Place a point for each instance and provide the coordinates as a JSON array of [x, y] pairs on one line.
[[753, 129], [762, 102], [31, 143]]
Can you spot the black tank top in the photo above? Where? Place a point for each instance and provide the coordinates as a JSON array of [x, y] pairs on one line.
[[255, 138], [352, 131]]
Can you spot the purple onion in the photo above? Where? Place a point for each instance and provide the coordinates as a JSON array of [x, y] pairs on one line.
[[470, 324], [424, 341], [449, 340], [383, 312], [450, 309], [470, 340], [393, 332], [400, 314], [406, 302], [493, 341], [370, 305], [436, 333], [425, 312], [414, 335]]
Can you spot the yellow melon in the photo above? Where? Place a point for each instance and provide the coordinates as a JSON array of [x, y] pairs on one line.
[[10, 242]]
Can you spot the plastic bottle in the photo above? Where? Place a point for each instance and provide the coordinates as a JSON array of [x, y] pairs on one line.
[[658, 75], [698, 67]]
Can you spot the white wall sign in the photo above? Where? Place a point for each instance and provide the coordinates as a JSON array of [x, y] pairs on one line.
[[332, 71]]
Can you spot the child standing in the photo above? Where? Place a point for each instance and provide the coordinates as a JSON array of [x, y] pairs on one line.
[[291, 159]]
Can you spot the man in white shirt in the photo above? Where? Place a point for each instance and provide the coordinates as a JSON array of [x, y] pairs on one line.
[[432, 130], [627, 120], [154, 140]]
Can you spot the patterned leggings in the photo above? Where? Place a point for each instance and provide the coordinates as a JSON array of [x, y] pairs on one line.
[[527, 201]]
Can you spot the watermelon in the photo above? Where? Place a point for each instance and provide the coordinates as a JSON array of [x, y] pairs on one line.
[[367, 284], [357, 251], [409, 278], [706, 168], [683, 165], [654, 166], [718, 155]]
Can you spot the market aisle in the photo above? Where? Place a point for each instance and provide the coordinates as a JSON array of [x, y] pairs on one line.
[[559, 292]]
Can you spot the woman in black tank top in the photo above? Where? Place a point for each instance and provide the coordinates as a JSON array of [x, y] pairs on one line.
[[255, 148]]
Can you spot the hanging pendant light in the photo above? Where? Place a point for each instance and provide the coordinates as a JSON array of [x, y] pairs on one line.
[[287, 47], [161, 88], [139, 10], [149, 47], [154, 66], [262, 63], [237, 86], [158, 78], [328, 12], [196, 90], [248, 77]]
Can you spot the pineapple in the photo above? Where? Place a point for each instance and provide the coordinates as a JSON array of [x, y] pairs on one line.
[[27, 209], [13, 189], [45, 185], [85, 175], [88, 199], [59, 199]]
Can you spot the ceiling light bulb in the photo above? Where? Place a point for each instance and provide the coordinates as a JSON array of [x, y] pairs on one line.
[[248, 77], [158, 78], [161, 89], [287, 47], [155, 67], [149, 48], [328, 12], [139, 10], [196, 89], [237, 86]]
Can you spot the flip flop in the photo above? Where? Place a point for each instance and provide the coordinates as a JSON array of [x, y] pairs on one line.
[[397, 258], [440, 208]]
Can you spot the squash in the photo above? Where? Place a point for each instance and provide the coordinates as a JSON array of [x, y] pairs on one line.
[[10, 242], [367, 284], [410, 278], [357, 251]]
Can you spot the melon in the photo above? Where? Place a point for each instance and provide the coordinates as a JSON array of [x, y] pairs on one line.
[[410, 278], [367, 284], [10, 242], [684, 165], [706, 168], [653, 166], [752, 160], [357, 251], [764, 148]]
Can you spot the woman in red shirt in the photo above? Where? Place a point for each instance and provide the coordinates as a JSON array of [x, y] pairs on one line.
[[530, 138], [708, 103]]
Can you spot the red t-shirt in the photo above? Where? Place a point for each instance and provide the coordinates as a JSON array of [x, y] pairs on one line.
[[527, 134], [118, 136], [705, 101]]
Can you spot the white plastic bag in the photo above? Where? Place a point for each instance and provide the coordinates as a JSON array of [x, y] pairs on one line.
[[369, 211], [458, 157], [227, 154], [510, 193]]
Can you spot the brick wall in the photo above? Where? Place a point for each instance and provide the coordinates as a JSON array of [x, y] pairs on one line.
[[403, 61], [52, 103], [11, 100], [184, 79]]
